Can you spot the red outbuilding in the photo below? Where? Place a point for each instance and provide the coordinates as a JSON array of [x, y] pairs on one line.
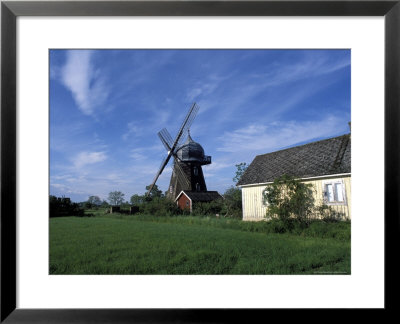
[[187, 199]]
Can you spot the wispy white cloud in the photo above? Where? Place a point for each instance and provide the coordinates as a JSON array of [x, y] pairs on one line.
[[244, 98], [150, 152], [215, 167], [161, 117], [63, 137], [259, 138], [91, 183], [86, 83], [309, 66], [206, 88], [132, 130], [138, 156], [65, 189], [85, 158], [194, 93]]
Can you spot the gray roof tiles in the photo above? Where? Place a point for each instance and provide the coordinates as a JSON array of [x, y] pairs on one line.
[[202, 196], [325, 157]]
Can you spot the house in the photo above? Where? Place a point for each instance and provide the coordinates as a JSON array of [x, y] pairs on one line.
[[187, 199], [326, 164]]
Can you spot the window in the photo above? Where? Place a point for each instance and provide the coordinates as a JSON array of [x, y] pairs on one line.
[[334, 192], [264, 197], [195, 171], [187, 203], [197, 187]]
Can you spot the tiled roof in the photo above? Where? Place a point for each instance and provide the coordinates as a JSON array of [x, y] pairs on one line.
[[326, 157], [202, 196]]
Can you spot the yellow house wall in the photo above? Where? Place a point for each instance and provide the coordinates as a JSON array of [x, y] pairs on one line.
[[254, 209]]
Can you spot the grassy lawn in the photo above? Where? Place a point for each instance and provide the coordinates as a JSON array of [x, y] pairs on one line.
[[131, 245]]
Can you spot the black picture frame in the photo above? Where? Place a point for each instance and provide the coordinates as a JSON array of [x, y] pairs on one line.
[[10, 10]]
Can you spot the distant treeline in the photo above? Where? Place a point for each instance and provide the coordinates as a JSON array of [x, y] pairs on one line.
[[155, 204], [62, 206]]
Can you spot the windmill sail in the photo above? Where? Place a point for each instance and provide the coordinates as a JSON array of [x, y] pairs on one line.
[[187, 122], [160, 170], [166, 139]]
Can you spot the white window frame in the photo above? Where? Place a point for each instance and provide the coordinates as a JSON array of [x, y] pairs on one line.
[[264, 201], [333, 182]]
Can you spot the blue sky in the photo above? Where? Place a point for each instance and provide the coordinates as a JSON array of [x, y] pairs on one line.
[[106, 107]]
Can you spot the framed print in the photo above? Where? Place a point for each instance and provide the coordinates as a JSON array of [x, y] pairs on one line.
[[42, 44]]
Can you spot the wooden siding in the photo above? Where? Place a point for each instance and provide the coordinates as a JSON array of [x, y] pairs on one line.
[[254, 209], [252, 203]]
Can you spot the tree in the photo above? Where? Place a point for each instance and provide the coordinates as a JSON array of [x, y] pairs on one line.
[[104, 204], [93, 201], [62, 206], [233, 195], [137, 199], [233, 202], [240, 169], [288, 198], [155, 192], [116, 198]]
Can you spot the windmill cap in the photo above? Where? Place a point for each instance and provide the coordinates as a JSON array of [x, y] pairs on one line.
[[190, 151]]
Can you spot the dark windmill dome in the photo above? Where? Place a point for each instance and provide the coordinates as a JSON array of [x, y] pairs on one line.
[[190, 151]]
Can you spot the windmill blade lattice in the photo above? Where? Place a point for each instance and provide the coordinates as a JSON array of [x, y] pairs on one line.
[[189, 123], [166, 139], [182, 177]]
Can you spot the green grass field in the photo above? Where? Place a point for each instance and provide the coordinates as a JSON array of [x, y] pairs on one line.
[[188, 245]]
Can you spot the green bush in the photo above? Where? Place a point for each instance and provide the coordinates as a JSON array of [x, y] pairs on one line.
[[315, 228], [287, 199], [328, 214], [62, 206], [208, 208], [233, 203], [281, 226], [291, 202], [159, 206]]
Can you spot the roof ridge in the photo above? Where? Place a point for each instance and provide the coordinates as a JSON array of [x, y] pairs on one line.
[[207, 191], [342, 150], [289, 148]]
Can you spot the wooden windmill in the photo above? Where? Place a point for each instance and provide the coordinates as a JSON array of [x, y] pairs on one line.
[[188, 158]]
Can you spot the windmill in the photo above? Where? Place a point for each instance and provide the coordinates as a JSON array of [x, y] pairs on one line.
[[188, 157]]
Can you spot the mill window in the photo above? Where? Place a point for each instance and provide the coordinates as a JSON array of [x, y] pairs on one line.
[[197, 187], [195, 171]]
